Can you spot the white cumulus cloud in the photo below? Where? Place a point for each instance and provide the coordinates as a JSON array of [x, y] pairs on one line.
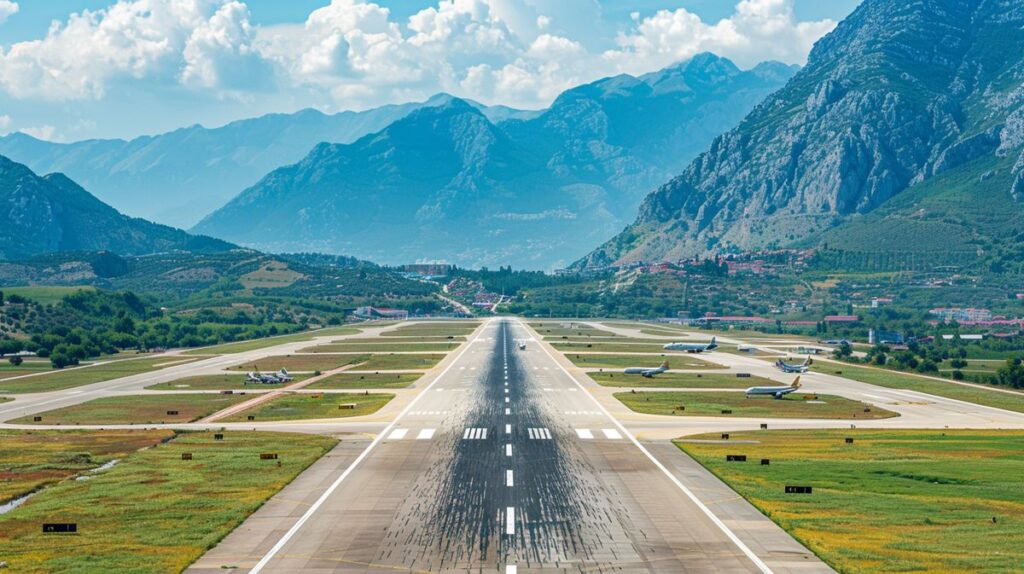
[[356, 54], [7, 9]]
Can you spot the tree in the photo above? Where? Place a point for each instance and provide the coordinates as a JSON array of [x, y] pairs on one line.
[[16, 360], [1011, 374]]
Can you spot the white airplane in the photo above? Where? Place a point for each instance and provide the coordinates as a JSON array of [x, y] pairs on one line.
[[260, 378], [777, 392], [794, 369], [283, 376], [692, 347], [647, 372]]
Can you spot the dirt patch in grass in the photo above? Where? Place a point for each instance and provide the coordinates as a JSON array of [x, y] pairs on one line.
[[681, 380], [366, 381], [137, 409]]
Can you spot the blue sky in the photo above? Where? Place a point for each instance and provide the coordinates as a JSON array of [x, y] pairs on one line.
[[131, 67]]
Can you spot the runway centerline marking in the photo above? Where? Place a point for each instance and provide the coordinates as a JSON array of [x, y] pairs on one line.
[[510, 520], [509, 480], [362, 456]]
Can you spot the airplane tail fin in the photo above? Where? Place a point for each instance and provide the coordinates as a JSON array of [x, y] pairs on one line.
[[713, 341], [810, 361], [796, 383], [664, 365]]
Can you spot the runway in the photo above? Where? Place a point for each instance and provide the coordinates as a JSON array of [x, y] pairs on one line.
[[504, 464]]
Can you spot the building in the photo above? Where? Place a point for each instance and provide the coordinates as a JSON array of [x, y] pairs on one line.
[[880, 302], [381, 313], [970, 315], [842, 319]]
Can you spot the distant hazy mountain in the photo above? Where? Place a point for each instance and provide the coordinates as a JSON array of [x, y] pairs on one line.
[[445, 182], [49, 214], [178, 177], [903, 134]]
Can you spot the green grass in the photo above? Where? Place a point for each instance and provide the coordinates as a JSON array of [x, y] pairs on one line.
[[610, 347], [704, 404], [44, 295], [675, 361], [68, 378], [215, 383], [556, 331], [5, 400], [354, 381], [290, 407], [28, 367], [907, 501], [153, 512], [302, 362], [255, 344], [432, 330], [894, 380], [400, 362], [33, 459], [381, 347], [680, 380], [136, 409]]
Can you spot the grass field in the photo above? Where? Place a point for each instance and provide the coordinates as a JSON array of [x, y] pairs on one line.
[[675, 361], [290, 407], [137, 409], [894, 380], [609, 347], [894, 501], [680, 380], [28, 367], [56, 380], [444, 329], [302, 362], [706, 404], [44, 295], [354, 381], [215, 383], [34, 459], [381, 347], [400, 362], [254, 344], [152, 512], [557, 330]]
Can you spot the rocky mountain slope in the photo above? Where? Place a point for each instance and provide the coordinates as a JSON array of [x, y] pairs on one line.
[[448, 183], [917, 95], [178, 177], [53, 214]]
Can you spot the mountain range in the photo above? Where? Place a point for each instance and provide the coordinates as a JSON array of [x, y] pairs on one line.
[[53, 214], [445, 182], [178, 177], [903, 134]]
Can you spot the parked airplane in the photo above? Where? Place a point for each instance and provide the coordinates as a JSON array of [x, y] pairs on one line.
[[692, 347], [647, 372], [791, 368], [279, 377], [777, 392]]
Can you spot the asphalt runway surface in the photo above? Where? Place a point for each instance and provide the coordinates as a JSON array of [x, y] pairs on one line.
[[502, 465]]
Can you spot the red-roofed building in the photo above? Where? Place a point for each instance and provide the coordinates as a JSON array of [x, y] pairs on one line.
[[842, 319]]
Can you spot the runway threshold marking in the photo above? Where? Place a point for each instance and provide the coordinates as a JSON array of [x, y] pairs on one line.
[[362, 456], [682, 487], [584, 434], [511, 569], [398, 434], [425, 434]]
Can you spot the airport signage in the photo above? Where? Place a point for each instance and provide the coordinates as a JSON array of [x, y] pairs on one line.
[[268, 456], [251, 417], [849, 440], [726, 411], [186, 456], [725, 436], [743, 375], [218, 436], [798, 490], [60, 528], [765, 461], [37, 419], [172, 413], [764, 425], [735, 458]]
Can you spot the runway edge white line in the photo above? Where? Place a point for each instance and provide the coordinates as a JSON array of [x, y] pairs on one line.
[[334, 486], [707, 511]]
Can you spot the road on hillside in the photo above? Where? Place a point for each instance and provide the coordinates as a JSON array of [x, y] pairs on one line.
[[503, 465]]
